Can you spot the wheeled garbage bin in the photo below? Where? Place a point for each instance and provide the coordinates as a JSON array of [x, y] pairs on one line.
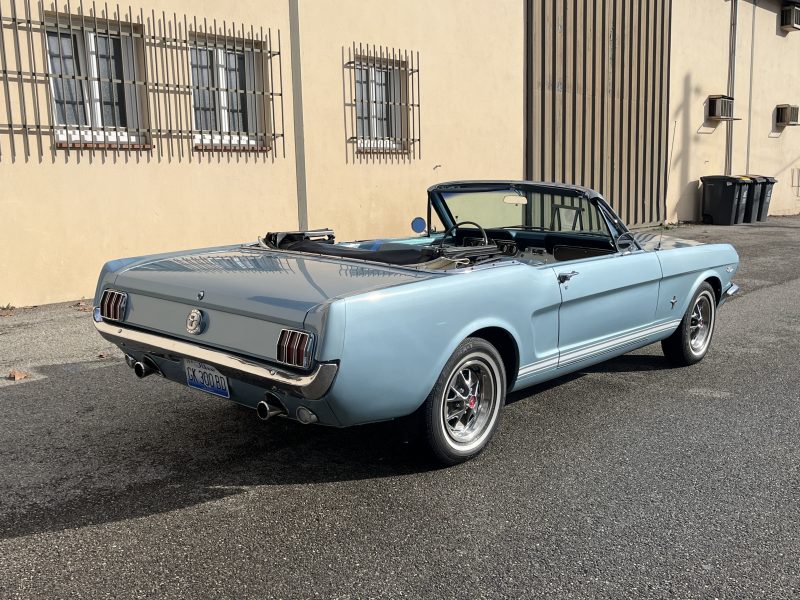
[[754, 196], [763, 207], [724, 199]]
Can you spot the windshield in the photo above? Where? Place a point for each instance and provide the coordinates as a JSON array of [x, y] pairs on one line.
[[511, 208]]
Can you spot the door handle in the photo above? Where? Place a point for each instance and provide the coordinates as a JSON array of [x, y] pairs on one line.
[[564, 277]]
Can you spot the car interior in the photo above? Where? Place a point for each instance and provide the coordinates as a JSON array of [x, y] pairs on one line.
[[551, 227]]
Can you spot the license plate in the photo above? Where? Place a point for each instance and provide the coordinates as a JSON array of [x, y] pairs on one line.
[[206, 378]]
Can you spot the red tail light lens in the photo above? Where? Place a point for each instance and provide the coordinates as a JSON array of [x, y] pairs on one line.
[[113, 304], [295, 348]]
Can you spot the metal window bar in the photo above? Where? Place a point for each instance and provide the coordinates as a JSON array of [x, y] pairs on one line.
[[381, 87], [85, 78]]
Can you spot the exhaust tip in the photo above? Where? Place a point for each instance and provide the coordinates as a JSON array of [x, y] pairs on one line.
[[143, 369], [270, 406], [262, 411], [130, 361]]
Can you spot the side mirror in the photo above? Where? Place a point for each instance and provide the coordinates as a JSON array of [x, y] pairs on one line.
[[418, 225], [625, 242]]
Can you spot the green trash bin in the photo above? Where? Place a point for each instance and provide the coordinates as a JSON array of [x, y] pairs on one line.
[[754, 196], [766, 196], [724, 199]]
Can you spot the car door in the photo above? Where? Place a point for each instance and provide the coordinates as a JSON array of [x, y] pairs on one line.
[[607, 303]]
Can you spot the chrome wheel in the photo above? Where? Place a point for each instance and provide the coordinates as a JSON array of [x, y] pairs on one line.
[[701, 323], [471, 401]]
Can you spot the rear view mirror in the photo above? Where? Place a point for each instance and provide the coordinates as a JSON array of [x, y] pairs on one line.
[[518, 200], [418, 225]]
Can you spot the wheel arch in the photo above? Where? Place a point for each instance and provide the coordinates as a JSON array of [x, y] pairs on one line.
[[506, 345], [716, 285]]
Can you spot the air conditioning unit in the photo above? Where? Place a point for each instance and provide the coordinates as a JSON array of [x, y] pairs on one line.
[[720, 108], [790, 17], [787, 115]]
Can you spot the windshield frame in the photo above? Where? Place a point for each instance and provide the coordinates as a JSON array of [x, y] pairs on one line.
[[438, 203]]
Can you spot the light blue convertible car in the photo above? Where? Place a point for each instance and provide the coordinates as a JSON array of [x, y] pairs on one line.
[[523, 282]]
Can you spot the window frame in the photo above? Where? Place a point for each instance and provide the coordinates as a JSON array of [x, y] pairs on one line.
[[87, 78], [253, 98], [396, 106]]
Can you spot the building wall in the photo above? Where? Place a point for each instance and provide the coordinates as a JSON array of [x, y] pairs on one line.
[[65, 213], [598, 72], [471, 78], [764, 77]]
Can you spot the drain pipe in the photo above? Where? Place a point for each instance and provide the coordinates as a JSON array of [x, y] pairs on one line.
[[731, 84]]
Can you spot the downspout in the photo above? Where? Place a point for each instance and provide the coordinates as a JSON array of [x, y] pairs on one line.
[[297, 112], [731, 85], [527, 117]]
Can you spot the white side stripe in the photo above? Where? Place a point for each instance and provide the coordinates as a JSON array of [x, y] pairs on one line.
[[599, 348]]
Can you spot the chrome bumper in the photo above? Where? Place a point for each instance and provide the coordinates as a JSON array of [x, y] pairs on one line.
[[732, 290], [311, 386]]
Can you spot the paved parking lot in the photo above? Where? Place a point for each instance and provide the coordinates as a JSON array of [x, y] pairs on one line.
[[628, 480]]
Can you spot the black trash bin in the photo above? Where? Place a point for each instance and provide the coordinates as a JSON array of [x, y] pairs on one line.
[[754, 196], [766, 196], [724, 199]]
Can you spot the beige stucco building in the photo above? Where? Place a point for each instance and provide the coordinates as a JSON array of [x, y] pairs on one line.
[[176, 124]]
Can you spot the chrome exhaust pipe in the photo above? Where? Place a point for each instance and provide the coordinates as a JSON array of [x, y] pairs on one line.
[[130, 361], [142, 370], [269, 407]]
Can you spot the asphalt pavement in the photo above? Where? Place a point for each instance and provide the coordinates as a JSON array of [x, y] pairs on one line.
[[628, 480]]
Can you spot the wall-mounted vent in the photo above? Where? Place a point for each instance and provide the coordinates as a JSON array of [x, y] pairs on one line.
[[787, 115], [720, 108], [790, 17]]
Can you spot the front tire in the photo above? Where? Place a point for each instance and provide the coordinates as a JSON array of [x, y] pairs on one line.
[[690, 342], [462, 411]]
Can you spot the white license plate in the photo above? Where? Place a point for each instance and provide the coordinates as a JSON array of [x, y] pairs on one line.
[[206, 378]]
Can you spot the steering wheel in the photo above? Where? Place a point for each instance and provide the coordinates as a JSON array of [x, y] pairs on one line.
[[452, 229]]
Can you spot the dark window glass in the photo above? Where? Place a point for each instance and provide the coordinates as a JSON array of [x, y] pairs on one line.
[[362, 102], [204, 92], [68, 94], [110, 75], [237, 91]]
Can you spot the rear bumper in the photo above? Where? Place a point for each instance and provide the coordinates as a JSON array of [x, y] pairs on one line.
[[311, 386]]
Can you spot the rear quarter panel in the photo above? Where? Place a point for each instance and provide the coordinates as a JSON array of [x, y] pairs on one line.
[[397, 341]]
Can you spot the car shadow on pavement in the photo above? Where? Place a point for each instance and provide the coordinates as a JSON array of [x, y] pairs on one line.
[[76, 451], [68, 459]]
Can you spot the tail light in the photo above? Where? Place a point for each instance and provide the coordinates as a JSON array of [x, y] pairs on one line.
[[295, 348], [112, 305]]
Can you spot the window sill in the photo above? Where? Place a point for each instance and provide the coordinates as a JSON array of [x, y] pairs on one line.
[[229, 148], [102, 146]]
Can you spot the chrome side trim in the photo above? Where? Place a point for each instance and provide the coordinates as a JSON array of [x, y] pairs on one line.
[[311, 386], [628, 339], [574, 356]]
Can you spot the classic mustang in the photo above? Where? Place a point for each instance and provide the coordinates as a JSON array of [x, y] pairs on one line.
[[522, 283]]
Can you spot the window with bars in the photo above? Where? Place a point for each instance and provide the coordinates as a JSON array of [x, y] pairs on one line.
[[100, 78], [92, 79], [228, 95], [381, 114], [382, 91]]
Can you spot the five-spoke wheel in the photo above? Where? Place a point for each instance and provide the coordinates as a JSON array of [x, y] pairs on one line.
[[463, 409], [690, 342]]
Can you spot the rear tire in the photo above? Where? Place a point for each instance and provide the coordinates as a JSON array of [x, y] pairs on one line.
[[462, 411], [690, 342]]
